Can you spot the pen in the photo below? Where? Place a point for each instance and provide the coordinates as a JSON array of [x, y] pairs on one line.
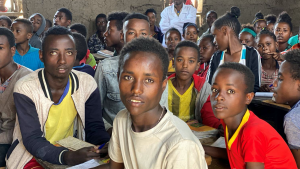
[[271, 85], [102, 145]]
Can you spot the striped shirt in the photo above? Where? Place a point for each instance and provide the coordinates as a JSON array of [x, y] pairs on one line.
[[182, 105]]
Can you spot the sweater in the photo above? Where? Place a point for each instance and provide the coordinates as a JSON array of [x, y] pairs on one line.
[[8, 109], [35, 40]]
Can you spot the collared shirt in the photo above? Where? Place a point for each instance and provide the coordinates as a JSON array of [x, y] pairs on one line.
[[108, 84], [30, 60], [6, 83], [257, 141], [95, 44]]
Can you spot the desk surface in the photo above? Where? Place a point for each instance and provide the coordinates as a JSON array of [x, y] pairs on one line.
[[270, 102]]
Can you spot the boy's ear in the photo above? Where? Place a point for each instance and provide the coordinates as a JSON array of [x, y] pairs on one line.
[[13, 50], [277, 45], [29, 35], [164, 83], [41, 55], [291, 34], [122, 36], [198, 65], [69, 22], [249, 97]]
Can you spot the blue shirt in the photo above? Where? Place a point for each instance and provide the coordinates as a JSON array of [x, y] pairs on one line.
[[30, 60], [292, 126]]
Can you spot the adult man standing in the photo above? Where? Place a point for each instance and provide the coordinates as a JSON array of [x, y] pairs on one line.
[[211, 16]]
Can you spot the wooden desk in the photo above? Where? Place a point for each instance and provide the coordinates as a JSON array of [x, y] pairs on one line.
[[271, 112]]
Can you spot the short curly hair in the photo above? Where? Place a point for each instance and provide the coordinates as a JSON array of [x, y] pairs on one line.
[[187, 43], [136, 16], [80, 28], [118, 16], [67, 12], [150, 10], [7, 19], [27, 23], [146, 44], [249, 77], [56, 30], [293, 58], [9, 35]]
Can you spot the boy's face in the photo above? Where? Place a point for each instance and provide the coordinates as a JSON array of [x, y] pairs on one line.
[[20, 32], [101, 24], [152, 18], [59, 54], [4, 23], [172, 39], [207, 49], [135, 28], [265, 46], [191, 34], [229, 97], [140, 82], [112, 36], [210, 18], [247, 39], [259, 26], [61, 19], [186, 62], [286, 89], [282, 32], [36, 21], [6, 52]]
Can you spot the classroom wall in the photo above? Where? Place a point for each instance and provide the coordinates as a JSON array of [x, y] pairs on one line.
[[250, 7], [85, 11]]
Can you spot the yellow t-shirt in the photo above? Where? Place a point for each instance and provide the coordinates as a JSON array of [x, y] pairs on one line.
[[171, 68], [60, 122], [182, 106]]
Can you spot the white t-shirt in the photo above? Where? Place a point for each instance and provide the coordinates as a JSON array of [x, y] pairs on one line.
[[169, 145]]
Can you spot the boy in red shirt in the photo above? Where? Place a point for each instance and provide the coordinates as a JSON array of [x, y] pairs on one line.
[[250, 142]]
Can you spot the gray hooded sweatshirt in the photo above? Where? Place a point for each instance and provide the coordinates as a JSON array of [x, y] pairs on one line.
[[35, 41]]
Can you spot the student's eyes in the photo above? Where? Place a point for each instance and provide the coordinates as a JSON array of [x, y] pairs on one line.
[[127, 77], [268, 44], [149, 81], [130, 33], [230, 91], [1, 48], [214, 90], [176, 39], [53, 53], [259, 46], [69, 53], [144, 34], [18, 31], [192, 61], [179, 60]]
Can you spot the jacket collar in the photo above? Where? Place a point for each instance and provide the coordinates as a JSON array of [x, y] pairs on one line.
[[198, 81], [46, 88]]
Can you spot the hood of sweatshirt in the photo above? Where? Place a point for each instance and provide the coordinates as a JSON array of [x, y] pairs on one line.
[[43, 25]]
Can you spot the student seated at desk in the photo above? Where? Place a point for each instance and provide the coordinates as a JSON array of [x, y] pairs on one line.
[[267, 48], [188, 94], [173, 37], [287, 90], [145, 134], [89, 58], [81, 47], [10, 73], [251, 143], [54, 103]]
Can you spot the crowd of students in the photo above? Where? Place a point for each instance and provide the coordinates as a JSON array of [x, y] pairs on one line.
[[137, 102]]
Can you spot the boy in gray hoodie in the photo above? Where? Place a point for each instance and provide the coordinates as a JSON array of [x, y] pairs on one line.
[[39, 23]]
